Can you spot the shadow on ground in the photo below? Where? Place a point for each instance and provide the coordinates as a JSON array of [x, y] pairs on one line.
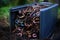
[[4, 33], [57, 31]]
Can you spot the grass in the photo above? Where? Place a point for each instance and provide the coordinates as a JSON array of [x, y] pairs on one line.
[[4, 11], [59, 12]]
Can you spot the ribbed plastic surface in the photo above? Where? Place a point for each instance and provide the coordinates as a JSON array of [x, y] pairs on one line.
[[48, 20]]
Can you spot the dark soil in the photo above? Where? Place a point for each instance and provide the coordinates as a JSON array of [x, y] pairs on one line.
[[4, 33]]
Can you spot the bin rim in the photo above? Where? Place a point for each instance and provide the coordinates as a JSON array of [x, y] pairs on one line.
[[44, 9], [43, 3]]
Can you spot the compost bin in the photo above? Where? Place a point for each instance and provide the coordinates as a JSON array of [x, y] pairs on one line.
[[33, 21]]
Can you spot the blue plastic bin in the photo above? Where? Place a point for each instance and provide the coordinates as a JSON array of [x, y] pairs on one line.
[[48, 17]]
